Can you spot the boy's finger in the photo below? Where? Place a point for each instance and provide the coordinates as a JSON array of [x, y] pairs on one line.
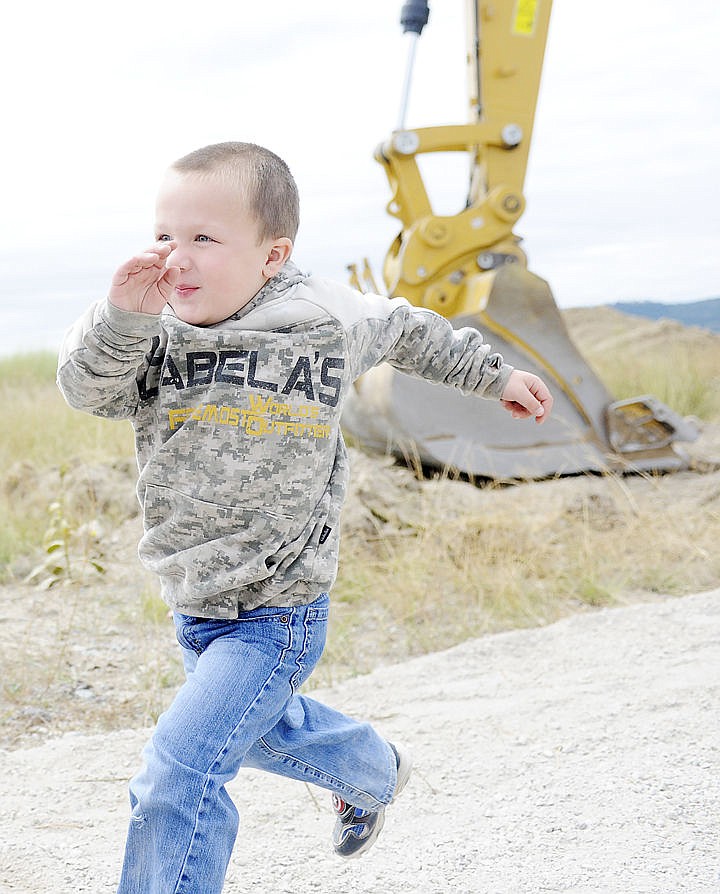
[[164, 247], [542, 404], [531, 405], [530, 401], [544, 409], [157, 252], [152, 258]]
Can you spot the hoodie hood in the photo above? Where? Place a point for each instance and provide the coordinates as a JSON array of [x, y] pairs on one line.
[[286, 279]]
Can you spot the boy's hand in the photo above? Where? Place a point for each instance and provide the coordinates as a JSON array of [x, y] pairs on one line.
[[527, 395], [144, 283]]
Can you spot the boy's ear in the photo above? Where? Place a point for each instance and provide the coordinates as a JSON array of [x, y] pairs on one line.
[[277, 255]]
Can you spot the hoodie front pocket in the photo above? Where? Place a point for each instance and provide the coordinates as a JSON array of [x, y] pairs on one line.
[[213, 547]]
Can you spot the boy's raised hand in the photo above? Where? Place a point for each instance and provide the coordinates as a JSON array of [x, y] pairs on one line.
[[527, 395], [144, 283]]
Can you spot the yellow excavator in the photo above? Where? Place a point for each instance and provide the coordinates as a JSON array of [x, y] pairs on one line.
[[470, 268]]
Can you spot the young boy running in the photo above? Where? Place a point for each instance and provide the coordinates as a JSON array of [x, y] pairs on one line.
[[233, 367]]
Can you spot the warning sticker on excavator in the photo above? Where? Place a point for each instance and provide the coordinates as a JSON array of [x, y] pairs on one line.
[[524, 19]]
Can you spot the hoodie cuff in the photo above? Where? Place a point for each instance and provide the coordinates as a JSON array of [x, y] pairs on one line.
[[129, 322], [494, 390]]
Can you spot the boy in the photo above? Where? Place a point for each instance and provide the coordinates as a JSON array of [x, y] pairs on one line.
[[232, 366]]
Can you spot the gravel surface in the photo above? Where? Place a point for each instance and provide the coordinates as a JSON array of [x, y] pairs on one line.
[[580, 757]]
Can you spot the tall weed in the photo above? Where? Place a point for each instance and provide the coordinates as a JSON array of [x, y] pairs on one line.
[[42, 440]]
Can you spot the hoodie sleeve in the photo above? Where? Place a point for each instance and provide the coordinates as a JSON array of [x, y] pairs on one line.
[[102, 357], [422, 343]]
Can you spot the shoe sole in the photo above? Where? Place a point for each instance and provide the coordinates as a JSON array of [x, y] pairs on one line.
[[405, 765]]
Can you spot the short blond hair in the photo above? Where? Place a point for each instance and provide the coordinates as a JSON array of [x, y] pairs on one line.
[[265, 179]]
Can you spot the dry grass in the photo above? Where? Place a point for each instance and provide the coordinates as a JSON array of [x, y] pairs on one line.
[[635, 356], [535, 553], [44, 443], [44, 431]]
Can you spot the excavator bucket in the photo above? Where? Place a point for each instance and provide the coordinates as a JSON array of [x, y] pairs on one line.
[[470, 268], [441, 428]]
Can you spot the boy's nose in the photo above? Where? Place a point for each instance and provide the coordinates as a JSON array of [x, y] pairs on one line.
[[178, 258]]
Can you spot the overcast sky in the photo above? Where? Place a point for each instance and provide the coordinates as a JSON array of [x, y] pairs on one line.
[[98, 98]]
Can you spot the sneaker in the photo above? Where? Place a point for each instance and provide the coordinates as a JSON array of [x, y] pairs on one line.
[[356, 830]]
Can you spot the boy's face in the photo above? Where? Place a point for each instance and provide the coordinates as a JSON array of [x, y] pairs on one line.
[[216, 246]]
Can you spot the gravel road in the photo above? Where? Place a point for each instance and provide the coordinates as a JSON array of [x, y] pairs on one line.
[[580, 757]]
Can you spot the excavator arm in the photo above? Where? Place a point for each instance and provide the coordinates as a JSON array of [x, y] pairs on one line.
[[434, 256], [470, 268]]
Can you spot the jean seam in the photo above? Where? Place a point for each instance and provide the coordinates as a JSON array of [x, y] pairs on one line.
[[301, 655], [213, 767], [253, 705], [188, 852], [331, 781]]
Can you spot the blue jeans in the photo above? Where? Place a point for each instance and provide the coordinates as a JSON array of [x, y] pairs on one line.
[[239, 707]]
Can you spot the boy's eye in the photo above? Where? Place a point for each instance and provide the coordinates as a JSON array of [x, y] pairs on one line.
[[201, 237], [163, 237]]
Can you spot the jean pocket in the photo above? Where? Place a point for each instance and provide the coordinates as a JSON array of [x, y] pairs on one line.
[[320, 609], [183, 631]]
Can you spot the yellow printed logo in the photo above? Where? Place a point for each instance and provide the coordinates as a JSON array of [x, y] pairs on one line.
[[207, 413], [265, 415], [524, 20]]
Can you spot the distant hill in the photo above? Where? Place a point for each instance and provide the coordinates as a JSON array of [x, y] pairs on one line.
[[695, 313]]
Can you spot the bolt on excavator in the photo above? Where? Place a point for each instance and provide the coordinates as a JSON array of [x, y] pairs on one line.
[[470, 268]]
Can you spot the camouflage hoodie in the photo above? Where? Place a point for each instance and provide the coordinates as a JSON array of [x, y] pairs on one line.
[[242, 465]]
